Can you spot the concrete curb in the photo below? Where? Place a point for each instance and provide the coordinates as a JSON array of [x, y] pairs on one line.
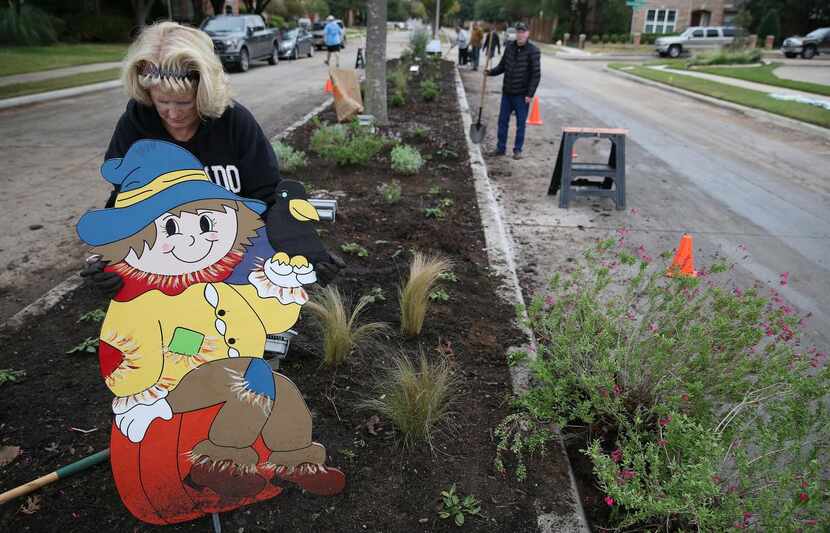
[[500, 256], [7, 103], [57, 293], [776, 120]]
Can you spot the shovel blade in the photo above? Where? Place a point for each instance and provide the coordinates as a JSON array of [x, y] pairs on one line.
[[477, 132]]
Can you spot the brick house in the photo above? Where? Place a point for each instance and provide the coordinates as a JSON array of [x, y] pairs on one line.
[[670, 16]]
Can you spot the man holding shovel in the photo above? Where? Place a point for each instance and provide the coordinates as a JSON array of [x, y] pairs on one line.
[[522, 71]]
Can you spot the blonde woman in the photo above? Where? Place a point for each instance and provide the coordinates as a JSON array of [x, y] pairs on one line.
[[179, 93]]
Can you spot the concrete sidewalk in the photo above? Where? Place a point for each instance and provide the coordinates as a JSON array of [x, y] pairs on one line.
[[56, 73], [735, 82]]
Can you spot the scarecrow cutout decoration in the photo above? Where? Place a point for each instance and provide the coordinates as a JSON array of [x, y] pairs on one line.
[[201, 422]]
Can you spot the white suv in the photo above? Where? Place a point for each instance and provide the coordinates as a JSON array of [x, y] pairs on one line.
[[695, 38]]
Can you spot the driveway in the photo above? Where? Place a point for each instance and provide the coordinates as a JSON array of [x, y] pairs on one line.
[[52, 153], [752, 192]]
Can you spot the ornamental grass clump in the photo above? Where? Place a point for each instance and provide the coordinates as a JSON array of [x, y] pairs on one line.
[[716, 410], [406, 159], [289, 158], [424, 272], [416, 397], [341, 334]]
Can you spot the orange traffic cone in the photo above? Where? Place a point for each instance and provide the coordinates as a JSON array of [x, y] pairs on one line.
[[683, 264], [329, 87], [535, 116]]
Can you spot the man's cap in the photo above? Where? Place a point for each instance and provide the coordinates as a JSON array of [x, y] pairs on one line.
[[520, 26], [330, 18]]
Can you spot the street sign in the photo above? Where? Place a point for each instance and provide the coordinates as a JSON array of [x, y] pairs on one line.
[[636, 4]]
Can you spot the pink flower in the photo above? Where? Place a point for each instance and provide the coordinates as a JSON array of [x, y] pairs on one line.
[[617, 389], [550, 300], [747, 516], [685, 397], [804, 484], [627, 474], [738, 292], [652, 327], [811, 522], [783, 278], [716, 479], [803, 497], [662, 443], [664, 421], [609, 501], [630, 315], [616, 455]]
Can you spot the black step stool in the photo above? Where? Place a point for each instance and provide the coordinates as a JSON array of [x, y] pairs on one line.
[[566, 170]]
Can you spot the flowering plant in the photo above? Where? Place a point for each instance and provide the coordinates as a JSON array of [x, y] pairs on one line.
[[713, 414]]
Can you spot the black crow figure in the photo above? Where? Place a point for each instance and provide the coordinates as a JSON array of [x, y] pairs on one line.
[[290, 224]]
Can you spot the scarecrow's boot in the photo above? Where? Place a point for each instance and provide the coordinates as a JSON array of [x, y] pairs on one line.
[[229, 472], [294, 457]]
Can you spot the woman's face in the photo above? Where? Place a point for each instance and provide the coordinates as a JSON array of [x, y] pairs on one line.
[[177, 110]]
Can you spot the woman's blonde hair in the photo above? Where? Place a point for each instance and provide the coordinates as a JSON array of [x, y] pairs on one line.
[[177, 59]]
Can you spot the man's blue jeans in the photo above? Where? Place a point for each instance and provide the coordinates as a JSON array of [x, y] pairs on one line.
[[510, 104]]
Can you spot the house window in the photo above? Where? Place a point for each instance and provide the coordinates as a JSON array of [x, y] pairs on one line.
[[660, 20]]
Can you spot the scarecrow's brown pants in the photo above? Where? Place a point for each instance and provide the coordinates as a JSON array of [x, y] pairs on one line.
[[285, 422]]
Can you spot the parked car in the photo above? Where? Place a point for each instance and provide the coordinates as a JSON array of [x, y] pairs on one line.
[[240, 39], [295, 44], [695, 38], [510, 34], [815, 43], [318, 33]]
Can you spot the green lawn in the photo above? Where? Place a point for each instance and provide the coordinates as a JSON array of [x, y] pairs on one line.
[[756, 99], [64, 82], [23, 59], [765, 74]]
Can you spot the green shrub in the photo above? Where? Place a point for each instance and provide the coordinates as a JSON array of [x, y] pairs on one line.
[[415, 397], [429, 90], [711, 409], [595, 39], [391, 192], [352, 145], [277, 22], [605, 38], [398, 78], [397, 99], [406, 159], [29, 27], [289, 158], [770, 25], [418, 41], [738, 57], [101, 29]]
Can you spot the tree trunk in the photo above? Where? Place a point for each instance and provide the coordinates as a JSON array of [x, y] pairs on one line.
[[141, 8], [376, 61], [218, 7]]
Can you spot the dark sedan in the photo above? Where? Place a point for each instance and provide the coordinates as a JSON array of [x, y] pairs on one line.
[[295, 44]]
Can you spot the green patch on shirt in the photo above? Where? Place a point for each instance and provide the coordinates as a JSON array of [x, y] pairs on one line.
[[186, 341]]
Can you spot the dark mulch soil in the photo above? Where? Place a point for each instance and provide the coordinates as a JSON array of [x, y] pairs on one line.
[[389, 488]]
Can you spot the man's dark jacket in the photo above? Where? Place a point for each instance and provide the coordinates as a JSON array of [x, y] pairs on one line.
[[521, 68]]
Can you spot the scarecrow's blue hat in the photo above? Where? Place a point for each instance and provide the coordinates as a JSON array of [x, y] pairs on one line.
[[154, 177]]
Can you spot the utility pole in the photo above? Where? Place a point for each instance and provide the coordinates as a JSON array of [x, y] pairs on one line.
[[437, 18], [169, 11]]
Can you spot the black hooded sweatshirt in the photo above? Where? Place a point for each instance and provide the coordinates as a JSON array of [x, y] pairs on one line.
[[233, 148]]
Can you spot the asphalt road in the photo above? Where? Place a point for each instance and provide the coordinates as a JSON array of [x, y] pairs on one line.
[[753, 192], [52, 153]]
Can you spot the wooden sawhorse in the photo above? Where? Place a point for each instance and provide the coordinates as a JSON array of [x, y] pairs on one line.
[[566, 170]]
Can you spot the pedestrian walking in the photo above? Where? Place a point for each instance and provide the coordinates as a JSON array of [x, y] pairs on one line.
[[462, 41], [492, 43], [476, 40], [333, 39], [522, 71]]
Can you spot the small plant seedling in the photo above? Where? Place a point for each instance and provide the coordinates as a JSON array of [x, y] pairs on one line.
[[406, 159], [446, 202], [434, 212], [435, 189], [448, 276], [414, 293], [439, 295], [96, 315], [376, 295], [348, 453], [446, 153], [289, 158], [420, 133], [391, 192], [8, 374], [455, 507], [88, 345], [354, 249]]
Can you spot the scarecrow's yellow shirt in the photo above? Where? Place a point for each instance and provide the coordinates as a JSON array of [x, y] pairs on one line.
[[161, 338]]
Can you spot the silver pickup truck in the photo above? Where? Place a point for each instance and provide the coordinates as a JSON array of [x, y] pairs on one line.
[[695, 38]]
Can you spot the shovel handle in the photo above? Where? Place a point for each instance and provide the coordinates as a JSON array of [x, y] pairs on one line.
[[484, 73]]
